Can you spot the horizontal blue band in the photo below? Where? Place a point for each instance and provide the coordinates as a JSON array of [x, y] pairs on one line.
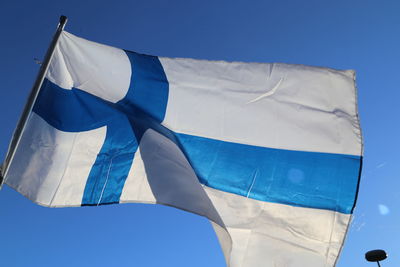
[[305, 179]]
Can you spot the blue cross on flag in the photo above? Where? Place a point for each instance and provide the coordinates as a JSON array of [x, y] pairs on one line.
[[269, 153]]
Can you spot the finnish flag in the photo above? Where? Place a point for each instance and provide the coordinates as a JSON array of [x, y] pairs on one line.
[[269, 153]]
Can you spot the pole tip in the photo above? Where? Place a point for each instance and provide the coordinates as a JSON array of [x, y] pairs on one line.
[[63, 21]]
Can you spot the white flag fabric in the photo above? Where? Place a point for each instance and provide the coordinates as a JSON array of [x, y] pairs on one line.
[[270, 153]]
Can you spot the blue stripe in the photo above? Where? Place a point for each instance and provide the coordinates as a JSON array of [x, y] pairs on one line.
[[111, 168], [306, 179], [149, 86], [72, 110]]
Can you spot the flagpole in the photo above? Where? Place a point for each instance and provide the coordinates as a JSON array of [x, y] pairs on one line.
[[31, 101]]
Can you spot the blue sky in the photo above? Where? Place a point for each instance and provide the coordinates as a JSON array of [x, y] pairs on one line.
[[362, 35]]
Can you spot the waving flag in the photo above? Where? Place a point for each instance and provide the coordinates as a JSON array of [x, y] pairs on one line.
[[269, 153]]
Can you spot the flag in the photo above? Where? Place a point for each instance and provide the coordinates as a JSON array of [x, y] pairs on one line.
[[269, 153]]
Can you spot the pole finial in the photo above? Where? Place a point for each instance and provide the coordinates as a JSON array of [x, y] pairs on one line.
[[63, 21]]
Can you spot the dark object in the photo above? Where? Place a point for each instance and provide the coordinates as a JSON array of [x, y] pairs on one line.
[[31, 100], [63, 20], [376, 255]]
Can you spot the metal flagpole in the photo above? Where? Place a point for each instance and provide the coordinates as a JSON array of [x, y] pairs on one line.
[[31, 101]]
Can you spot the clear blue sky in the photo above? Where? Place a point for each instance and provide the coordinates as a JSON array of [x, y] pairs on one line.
[[363, 35]]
